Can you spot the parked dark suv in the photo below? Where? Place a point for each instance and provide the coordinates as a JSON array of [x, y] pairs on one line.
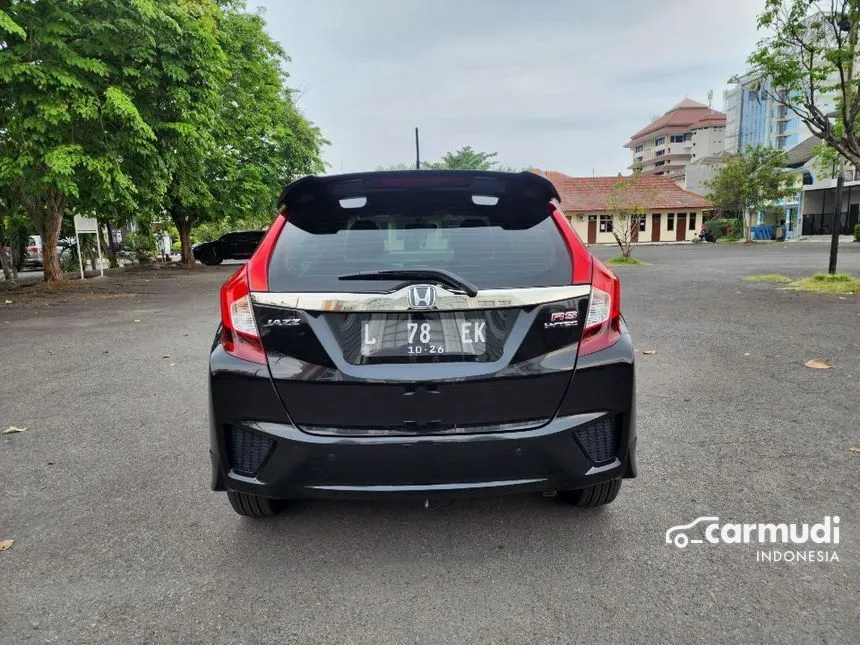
[[420, 333], [230, 246]]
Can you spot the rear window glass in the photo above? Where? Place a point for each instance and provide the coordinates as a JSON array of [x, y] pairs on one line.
[[511, 243]]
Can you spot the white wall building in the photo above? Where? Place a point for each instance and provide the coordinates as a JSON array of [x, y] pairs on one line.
[[668, 144]]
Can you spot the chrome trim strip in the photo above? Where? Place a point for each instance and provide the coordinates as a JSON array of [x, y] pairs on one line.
[[398, 300]]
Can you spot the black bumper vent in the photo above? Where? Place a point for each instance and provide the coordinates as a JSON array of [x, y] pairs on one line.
[[247, 450], [599, 439]]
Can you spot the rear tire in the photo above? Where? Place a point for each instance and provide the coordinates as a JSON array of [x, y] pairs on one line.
[[597, 495], [252, 505]]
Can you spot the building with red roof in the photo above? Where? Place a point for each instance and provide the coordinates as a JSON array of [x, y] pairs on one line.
[[668, 212], [687, 132]]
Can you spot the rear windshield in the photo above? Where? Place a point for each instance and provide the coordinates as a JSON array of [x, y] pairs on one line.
[[496, 243]]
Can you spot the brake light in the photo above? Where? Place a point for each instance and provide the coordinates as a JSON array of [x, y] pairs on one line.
[[33, 249], [580, 258], [603, 322], [239, 335], [258, 265]]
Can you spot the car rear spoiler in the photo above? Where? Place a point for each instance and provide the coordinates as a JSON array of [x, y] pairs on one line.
[[325, 189]]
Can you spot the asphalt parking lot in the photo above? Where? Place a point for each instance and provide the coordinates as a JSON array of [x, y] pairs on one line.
[[119, 540]]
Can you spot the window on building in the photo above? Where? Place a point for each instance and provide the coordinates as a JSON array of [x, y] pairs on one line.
[[658, 173], [659, 163], [670, 222], [641, 223], [659, 153], [660, 141], [606, 223], [692, 220], [679, 138], [638, 149]]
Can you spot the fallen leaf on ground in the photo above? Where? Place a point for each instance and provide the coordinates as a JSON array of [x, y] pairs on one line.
[[8, 302], [855, 449], [5, 545], [648, 352], [172, 364], [13, 430], [747, 354], [136, 320], [166, 356], [818, 364]]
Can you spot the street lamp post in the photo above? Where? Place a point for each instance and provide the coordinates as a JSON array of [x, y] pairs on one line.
[[837, 217], [844, 25]]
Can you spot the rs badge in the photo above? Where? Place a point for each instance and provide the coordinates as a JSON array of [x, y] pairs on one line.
[[562, 319]]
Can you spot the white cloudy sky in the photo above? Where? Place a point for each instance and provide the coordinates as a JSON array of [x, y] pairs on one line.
[[557, 84]]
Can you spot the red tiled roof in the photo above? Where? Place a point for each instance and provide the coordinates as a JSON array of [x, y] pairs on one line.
[[591, 194], [710, 120], [679, 118]]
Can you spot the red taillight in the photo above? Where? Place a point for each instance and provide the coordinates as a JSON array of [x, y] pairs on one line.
[[239, 335], [258, 265], [603, 322], [33, 249], [580, 258]]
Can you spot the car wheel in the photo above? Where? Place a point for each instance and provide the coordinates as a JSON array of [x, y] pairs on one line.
[[253, 506], [597, 495]]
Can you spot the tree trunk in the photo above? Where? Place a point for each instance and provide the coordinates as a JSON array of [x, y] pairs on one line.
[[8, 268], [48, 220], [184, 228], [110, 249], [748, 213]]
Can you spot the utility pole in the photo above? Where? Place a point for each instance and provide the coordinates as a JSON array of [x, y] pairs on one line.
[[417, 152], [837, 217]]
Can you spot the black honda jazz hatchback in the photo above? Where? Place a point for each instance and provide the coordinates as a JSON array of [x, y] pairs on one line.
[[425, 333]]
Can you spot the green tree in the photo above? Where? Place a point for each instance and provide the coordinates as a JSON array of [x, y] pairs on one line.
[[463, 159], [229, 134], [467, 159], [69, 124], [812, 61], [627, 205], [749, 181]]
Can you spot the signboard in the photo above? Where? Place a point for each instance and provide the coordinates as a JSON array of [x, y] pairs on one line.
[[86, 224]]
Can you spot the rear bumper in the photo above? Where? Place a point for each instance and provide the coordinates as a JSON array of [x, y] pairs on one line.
[[296, 464], [303, 465]]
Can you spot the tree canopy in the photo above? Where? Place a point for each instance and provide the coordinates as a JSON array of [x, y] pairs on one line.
[[749, 180], [150, 108], [812, 62], [463, 159], [627, 207]]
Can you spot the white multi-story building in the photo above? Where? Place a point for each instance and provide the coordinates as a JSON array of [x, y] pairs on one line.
[[688, 131]]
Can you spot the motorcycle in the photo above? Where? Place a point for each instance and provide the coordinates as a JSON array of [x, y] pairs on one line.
[[704, 237]]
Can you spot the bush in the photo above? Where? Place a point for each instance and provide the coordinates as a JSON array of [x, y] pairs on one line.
[[143, 246], [726, 227], [857, 232]]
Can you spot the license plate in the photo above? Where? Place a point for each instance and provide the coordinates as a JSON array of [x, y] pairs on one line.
[[423, 335]]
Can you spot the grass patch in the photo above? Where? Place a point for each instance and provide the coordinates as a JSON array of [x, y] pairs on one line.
[[620, 260], [838, 283], [768, 277]]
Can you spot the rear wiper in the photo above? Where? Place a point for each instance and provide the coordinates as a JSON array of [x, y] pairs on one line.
[[440, 275]]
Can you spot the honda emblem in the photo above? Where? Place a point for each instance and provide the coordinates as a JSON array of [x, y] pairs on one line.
[[421, 296]]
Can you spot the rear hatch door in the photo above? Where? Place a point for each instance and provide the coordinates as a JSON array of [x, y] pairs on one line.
[[421, 307]]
